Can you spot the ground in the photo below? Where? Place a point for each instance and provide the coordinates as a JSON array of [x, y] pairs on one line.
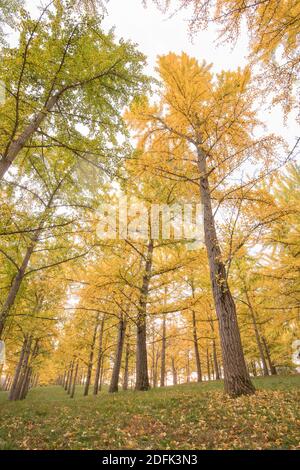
[[194, 416]]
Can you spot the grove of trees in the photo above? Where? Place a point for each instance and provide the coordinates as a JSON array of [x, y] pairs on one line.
[[83, 127]]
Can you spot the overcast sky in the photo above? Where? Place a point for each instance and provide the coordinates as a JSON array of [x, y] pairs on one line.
[[156, 34]]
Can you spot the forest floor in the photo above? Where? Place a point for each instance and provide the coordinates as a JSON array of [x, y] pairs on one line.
[[194, 416]]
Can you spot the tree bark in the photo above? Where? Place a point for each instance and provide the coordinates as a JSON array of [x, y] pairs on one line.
[[18, 144], [99, 358], [74, 381], [18, 369], [208, 364], [256, 332], [22, 376], [114, 383], [142, 378], [71, 377], [196, 348], [14, 289], [91, 359], [174, 371], [271, 365], [126, 365], [163, 354], [18, 279], [236, 377], [188, 372], [216, 365]]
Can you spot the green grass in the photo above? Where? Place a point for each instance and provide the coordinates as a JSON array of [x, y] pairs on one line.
[[194, 416]]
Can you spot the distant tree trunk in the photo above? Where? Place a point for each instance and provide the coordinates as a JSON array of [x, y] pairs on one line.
[[99, 357], [271, 365], [7, 383], [24, 386], [254, 371], [142, 379], [114, 383], [214, 350], [126, 365], [208, 364], [188, 372], [18, 369], [64, 378], [257, 335], [74, 380], [155, 371], [22, 372], [91, 359], [236, 377], [101, 373], [71, 377], [68, 377], [212, 367], [174, 371], [163, 354], [216, 365], [196, 348]]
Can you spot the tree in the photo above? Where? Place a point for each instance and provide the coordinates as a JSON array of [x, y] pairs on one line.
[[273, 27], [85, 80], [206, 127]]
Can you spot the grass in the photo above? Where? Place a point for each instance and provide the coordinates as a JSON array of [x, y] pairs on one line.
[[194, 416]]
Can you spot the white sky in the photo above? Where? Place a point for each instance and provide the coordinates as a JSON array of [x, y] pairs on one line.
[[156, 34]]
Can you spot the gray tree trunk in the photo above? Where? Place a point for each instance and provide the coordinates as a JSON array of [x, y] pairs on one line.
[[91, 359], [236, 377], [114, 383], [99, 358], [142, 378]]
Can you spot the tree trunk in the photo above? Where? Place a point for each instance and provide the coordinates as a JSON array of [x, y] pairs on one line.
[[74, 381], [114, 383], [99, 358], [142, 378], [257, 335], [126, 365], [18, 279], [271, 365], [15, 286], [16, 393], [196, 348], [18, 369], [188, 372], [155, 370], [174, 371], [236, 377], [71, 377], [163, 354], [91, 358], [68, 377], [18, 144], [208, 364], [216, 365], [212, 367]]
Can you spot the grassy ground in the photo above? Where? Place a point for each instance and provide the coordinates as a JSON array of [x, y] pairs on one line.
[[183, 417]]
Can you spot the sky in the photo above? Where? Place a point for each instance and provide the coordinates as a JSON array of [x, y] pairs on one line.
[[157, 34]]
